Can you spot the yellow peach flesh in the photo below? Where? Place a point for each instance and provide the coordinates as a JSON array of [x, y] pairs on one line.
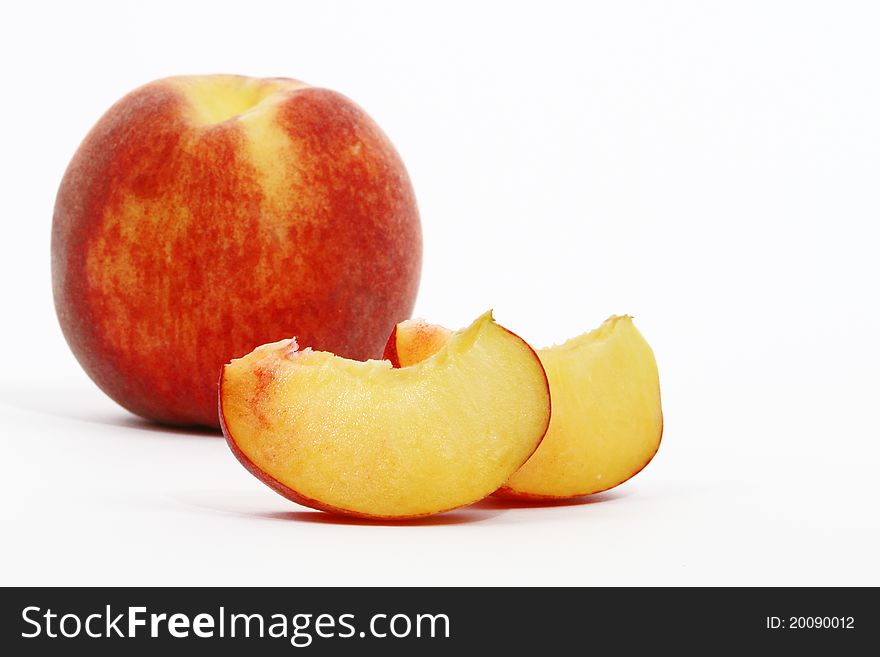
[[417, 340], [363, 438], [607, 419]]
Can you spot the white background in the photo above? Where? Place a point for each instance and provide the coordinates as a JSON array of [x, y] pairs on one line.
[[711, 168]]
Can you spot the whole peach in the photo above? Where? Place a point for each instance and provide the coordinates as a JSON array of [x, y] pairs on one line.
[[205, 215]]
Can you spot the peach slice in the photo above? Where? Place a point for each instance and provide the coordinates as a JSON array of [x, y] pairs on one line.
[[364, 439], [607, 419], [417, 341]]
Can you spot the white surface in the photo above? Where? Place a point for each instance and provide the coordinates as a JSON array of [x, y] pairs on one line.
[[712, 170]]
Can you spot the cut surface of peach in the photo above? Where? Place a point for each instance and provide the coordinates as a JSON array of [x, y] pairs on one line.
[[607, 419], [365, 439]]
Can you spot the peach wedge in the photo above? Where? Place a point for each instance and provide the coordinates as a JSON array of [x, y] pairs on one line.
[[607, 419], [416, 341], [368, 440]]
